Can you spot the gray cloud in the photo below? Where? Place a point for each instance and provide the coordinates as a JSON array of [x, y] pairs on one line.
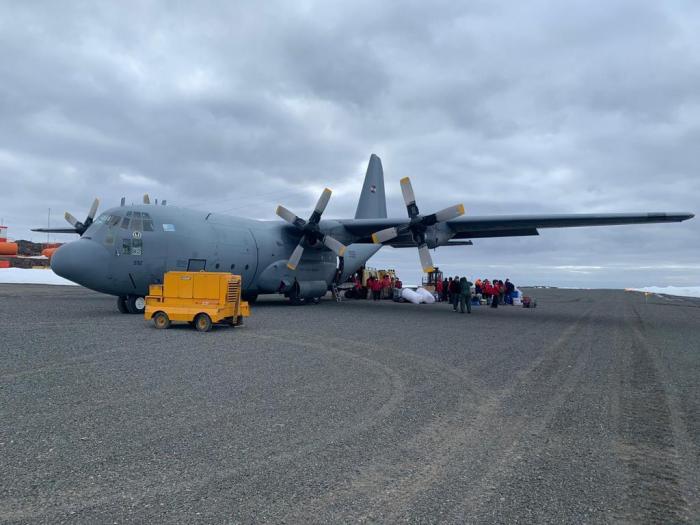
[[534, 108]]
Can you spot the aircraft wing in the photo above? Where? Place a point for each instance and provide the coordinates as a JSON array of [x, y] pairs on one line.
[[511, 225]]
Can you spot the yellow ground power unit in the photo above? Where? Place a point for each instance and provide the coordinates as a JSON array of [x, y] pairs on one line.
[[199, 298]]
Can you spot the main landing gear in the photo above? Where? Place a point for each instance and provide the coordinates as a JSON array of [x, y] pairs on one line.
[[250, 297], [131, 304]]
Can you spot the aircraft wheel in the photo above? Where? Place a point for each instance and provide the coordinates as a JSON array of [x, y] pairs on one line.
[[315, 300], [161, 320], [296, 300], [135, 304], [121, 305], [202, 323], [250, 297]]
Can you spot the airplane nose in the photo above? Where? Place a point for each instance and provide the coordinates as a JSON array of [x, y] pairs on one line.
[[82, 261]]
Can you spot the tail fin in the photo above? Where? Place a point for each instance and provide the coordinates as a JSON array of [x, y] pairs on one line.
[[372, 204]]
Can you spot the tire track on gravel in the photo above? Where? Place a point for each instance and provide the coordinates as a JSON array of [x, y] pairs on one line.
[[654, 437], [391, 487], [139, 488]]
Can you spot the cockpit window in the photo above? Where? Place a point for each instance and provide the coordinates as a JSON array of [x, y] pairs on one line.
[[136, 222], [109, 220], [147, 223]]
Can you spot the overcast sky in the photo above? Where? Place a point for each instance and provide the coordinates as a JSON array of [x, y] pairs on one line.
[[509, 107]]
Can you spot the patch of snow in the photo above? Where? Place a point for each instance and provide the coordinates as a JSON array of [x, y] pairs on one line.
[[683, 291], [29, 276]]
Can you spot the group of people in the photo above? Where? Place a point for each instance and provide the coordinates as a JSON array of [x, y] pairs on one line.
[[458, 292], [495, 291], [378, 288]]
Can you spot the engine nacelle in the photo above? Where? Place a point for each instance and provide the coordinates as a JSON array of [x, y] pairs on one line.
[[438, 235]]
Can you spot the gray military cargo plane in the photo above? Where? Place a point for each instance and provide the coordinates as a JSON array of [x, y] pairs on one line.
[[129, 247]]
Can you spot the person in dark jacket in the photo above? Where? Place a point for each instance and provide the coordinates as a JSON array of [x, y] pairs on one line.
[[510, 288], [445, 289], [454, 292], [465, 295]]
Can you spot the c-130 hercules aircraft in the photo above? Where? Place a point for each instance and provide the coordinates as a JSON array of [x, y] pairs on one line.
[[129, 247]]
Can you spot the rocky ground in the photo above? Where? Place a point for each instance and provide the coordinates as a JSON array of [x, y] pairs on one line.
[[585, 409]]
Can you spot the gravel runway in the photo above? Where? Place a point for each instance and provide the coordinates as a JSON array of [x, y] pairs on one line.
[[583, 410]]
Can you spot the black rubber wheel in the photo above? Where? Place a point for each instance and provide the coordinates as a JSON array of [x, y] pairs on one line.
[[133, 306], [250, 297], [161, 320], [121, 305], [315, 300], [296, 300], [202, 323]]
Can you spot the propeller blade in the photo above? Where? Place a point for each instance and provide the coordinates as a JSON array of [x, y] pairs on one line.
[[294, 259], [93, 209], [72, 220], [323, 201], [426, 261], [407, 190], [334, 245], [146, 199], [385, 235], [288, 216], [450, 213], [409, 197]]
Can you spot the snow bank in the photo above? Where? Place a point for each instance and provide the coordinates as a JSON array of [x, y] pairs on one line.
[[684, 291], [28, 276]]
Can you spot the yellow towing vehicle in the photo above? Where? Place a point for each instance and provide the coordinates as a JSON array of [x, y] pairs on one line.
[[199, 298]]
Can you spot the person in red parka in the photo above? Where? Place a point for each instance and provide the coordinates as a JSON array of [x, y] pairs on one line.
[[486, 289], [376, 289], [386, 286], [438, 289]]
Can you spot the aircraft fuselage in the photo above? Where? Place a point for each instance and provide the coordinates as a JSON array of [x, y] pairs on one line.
[[130, 247]]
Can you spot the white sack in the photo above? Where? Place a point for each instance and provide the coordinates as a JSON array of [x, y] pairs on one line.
[[425, 296], [410, 296]]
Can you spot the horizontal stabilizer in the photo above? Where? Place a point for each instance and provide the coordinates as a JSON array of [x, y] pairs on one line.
[[55, 230]]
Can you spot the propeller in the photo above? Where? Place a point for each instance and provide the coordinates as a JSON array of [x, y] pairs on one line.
[[312, 234], [418, 224], [81, 227]]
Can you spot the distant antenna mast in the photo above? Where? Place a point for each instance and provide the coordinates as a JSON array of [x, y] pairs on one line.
[[48, 227]]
